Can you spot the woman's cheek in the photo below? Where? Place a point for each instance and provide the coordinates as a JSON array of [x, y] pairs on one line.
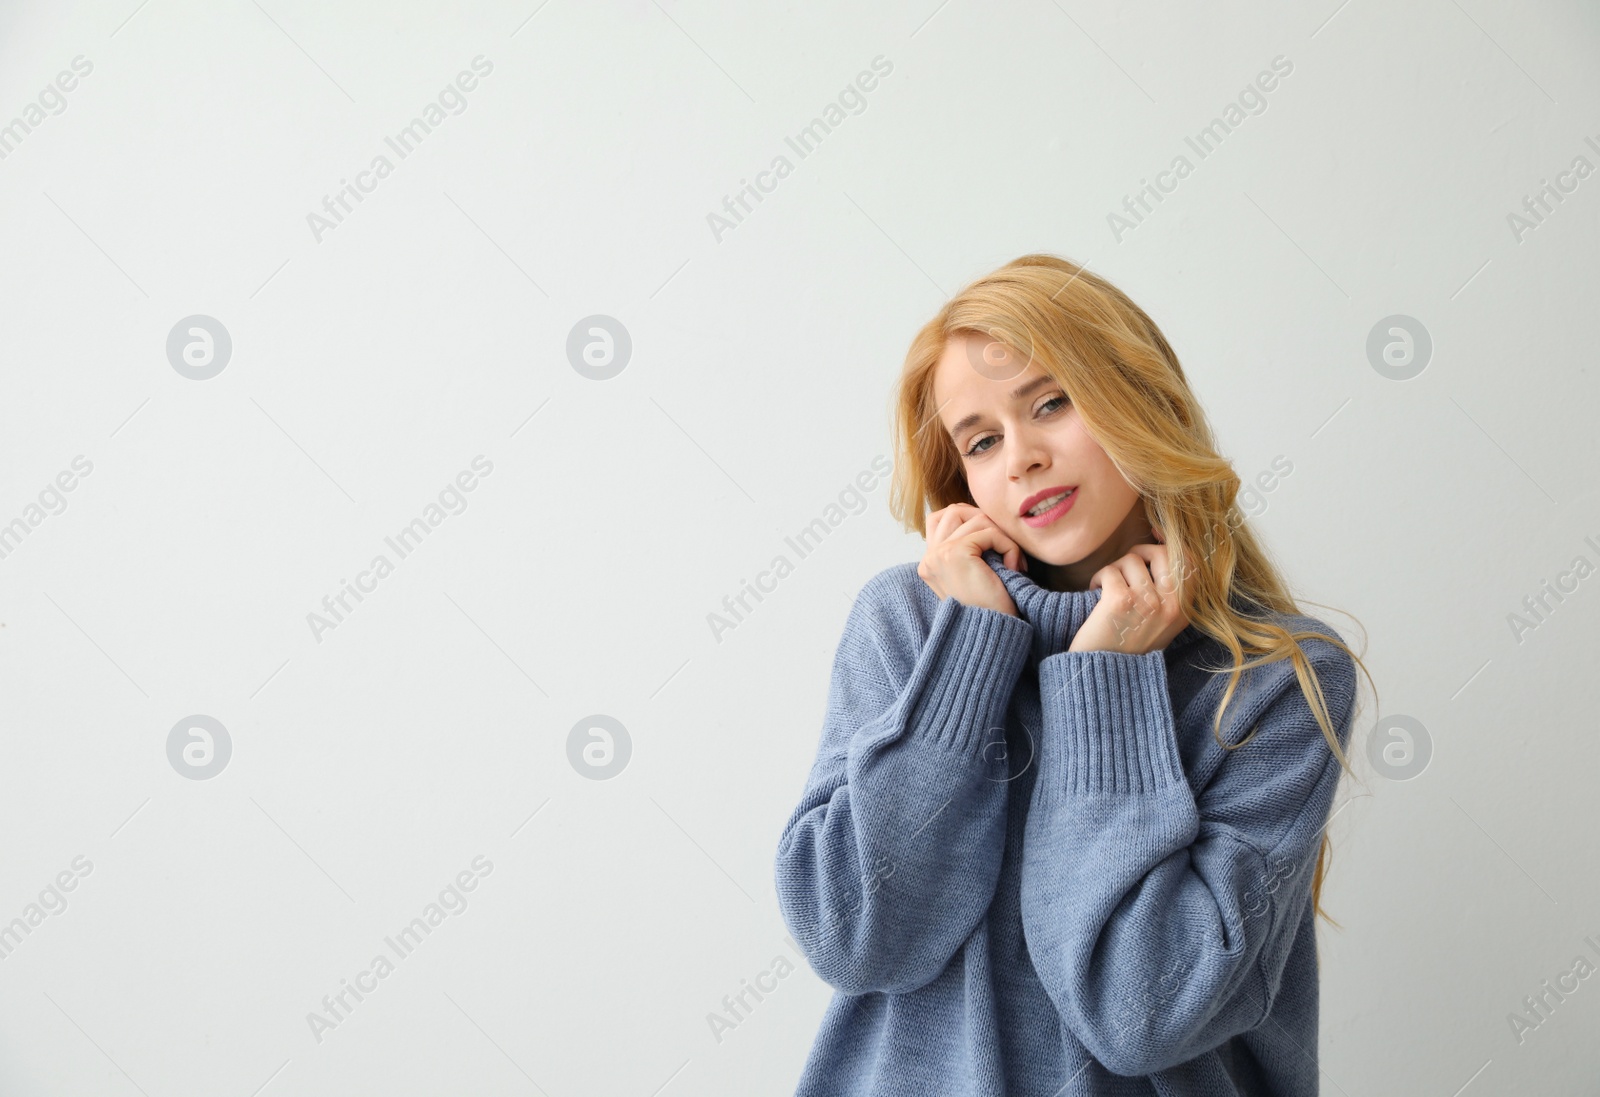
[[996, 506]]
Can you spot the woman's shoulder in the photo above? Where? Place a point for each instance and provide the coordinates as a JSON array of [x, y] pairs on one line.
[[1320, 642], [1317, 639], [897, 598], [895, 582], [1260, 685], [894, 609]]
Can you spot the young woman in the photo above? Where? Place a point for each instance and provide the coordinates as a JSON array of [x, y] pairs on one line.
[[1065, 829]]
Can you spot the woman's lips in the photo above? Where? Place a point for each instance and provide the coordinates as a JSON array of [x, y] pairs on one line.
[[1054, 512]]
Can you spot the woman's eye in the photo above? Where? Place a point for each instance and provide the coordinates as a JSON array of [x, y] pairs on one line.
[[1045, 408]]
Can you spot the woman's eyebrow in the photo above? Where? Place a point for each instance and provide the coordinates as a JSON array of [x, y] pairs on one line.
[[1016, 394]]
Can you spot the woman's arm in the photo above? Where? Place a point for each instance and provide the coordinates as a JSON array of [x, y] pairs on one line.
[[892, 856], [1160, 925]]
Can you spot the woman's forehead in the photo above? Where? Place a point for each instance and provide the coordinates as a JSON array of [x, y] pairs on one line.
[[984, 369]]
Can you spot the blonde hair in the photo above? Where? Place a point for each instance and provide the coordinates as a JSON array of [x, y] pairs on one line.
[[1123, 377]]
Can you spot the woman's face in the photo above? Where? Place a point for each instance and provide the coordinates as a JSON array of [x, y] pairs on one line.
[[1021, 440]]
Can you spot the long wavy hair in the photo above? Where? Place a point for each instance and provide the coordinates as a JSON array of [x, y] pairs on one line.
[[1120, 372]]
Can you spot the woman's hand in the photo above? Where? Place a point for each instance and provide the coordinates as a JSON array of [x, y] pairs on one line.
[[1138, 611], [954, 565]]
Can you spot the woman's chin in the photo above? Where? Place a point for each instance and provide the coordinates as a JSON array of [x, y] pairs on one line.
[[1052, 559]]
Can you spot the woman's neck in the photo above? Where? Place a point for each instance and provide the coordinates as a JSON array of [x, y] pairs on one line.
[[1135, 530]]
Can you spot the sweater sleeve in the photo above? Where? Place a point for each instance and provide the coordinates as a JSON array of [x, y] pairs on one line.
[[892, 856], [1160, 923]]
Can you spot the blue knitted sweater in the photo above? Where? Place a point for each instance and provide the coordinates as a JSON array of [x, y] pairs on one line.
[[1033, 872]]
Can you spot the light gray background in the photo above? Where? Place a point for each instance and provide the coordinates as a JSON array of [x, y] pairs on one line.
[[430, 327]]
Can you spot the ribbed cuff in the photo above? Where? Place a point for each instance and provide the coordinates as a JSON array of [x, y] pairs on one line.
[[1108, 723], [969, 676]]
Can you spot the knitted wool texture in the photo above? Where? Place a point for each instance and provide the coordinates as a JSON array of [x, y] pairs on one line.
[[1029, 871]]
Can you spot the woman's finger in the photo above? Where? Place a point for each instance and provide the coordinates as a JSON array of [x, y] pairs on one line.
[[1165, 582], [992, 536], [1137, 579], [949, 517], [975, 520], [980, 523], [965, 526], [1107, 580], [1160, 564]]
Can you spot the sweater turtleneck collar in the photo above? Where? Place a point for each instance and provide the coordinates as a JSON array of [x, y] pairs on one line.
[[1056, 615]]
